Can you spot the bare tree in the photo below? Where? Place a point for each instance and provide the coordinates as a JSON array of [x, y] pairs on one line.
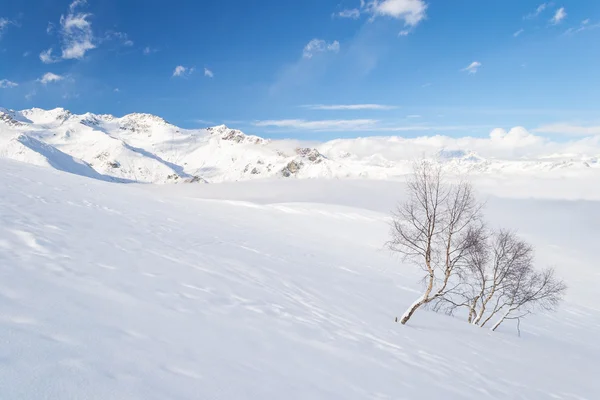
[[435, 230], [531, 291], [502, 283], [507, 256], [440, 230]]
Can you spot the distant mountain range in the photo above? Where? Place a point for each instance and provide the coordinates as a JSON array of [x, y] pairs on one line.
[[146, 148]]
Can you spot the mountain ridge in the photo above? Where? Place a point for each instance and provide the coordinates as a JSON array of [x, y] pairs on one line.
[[145, 148]]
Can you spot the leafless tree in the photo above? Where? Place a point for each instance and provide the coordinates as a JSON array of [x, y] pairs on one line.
[[501, 282], [531, 291], [491, 275], [435, 230]]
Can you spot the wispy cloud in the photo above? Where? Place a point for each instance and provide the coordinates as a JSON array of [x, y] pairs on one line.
[[208, 73], [76, 32], [559, 15], [5, 23], [203, 122], [320, 125], [47, 58], [26, 54], [6, 84], [585, 25], [540, 9], [149, 50], [349, 107], [320, 46], [472, 68], [182, 71], [569, 129], [518, 33], [353, 13], [410, 11], [357, 125], [50, 77], [77, 36], [120, 37]]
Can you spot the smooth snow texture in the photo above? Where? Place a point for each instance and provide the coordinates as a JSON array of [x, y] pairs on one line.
[[112, 291], [146, 148]]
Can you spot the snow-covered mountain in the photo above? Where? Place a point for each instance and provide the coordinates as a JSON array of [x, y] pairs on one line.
[[146, 148]]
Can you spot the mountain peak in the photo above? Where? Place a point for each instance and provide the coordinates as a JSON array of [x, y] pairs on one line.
[[234, 135], [146, 118]]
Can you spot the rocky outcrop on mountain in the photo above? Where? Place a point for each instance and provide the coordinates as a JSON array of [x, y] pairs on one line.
[[235, 135]]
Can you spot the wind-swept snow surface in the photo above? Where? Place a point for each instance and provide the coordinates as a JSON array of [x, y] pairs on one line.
[[114, 291]]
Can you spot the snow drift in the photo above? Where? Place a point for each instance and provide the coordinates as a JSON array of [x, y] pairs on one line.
[[235, 292]]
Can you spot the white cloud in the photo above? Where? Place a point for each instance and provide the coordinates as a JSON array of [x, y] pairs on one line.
[[26, 54], [413, 116], [179, 70], [517, 33], [203, 122], [67, 96], [569, 129], [404, 32], [182, 71], [117, 90], [30, 95], [361, 125], [47, 57], [352, 14], [118, 36], [335, 107], [49, 77], [517, 136], [585, 25], [76, 3], [320, 125], [77, 36], [472, 68], [410, 11], [149, 50], [559, 16], [208, 73], [6, 84], [76, 32], [4, 23], [537, 11], [320, 46]]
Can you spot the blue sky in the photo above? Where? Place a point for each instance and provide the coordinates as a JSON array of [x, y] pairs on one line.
[[314, 69]]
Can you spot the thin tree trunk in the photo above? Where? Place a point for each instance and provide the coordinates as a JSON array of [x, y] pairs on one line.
[[423, 300], [411, 310], [501, 320]]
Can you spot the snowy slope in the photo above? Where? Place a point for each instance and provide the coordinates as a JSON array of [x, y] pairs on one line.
[[146, 148], [141, 292]]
